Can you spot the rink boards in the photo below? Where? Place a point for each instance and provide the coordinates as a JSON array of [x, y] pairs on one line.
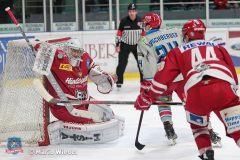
[[101, 45]]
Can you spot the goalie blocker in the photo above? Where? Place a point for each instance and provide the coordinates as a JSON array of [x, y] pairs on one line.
[[71, 67]]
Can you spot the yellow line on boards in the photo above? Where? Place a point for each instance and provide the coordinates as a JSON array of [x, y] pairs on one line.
[[131, 76], [238, 70]]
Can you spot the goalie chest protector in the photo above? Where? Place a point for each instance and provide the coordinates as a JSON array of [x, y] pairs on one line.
[[71, 79]]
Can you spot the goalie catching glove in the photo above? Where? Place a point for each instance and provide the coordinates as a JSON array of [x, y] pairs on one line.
[[103, 80]]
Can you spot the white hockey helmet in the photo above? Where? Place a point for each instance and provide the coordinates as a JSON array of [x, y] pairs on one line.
[[74, 45]]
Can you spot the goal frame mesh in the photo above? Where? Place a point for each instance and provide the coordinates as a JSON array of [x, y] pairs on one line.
[[10, 81]]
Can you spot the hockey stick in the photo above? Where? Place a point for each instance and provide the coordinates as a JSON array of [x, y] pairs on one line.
[[79, 102], [75, 112], [138, 145], [18, 26], [52, 80], [50, 99]]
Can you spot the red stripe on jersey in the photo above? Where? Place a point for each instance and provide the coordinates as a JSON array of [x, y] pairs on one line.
[[228, 71], [158, 89]]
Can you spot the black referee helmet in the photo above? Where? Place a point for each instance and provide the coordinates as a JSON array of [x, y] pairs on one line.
[[132, 6]]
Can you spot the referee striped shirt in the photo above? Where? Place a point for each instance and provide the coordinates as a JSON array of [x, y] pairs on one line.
[[129, 32]]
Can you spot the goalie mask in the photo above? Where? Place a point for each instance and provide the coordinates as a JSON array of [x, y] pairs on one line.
[[74, 52]]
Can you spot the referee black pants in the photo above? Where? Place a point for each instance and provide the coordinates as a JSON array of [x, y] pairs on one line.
[[123, 55]]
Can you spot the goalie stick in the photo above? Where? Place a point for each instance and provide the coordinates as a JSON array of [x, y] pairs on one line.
[[50, 99], [73, 111], [52, 80]]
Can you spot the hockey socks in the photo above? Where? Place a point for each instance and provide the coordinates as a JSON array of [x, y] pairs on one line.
[[165, 113]]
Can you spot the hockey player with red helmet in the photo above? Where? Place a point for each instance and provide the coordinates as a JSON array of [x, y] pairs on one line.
[[150, 57], [210, 85], [152, 48]]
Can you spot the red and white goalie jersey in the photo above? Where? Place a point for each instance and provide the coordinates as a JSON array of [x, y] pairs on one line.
[[71, 69], [73, 82], [195, 60]]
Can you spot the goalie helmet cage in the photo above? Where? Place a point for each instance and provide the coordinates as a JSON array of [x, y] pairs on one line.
[[23, 113]]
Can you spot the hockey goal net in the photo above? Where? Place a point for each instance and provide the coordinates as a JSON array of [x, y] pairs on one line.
[[23, 113]]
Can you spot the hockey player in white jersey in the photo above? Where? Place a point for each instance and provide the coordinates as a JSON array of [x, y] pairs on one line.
[[152, 48]]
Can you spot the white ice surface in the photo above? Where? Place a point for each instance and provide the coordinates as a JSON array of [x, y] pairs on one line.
[[152, 134]]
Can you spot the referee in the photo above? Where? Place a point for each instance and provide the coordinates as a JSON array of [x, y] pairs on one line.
[[128, 34]]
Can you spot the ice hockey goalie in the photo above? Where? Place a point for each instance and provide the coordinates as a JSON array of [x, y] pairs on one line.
[[71, 68]]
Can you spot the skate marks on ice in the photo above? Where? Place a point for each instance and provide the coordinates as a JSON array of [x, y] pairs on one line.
[[123, 149]]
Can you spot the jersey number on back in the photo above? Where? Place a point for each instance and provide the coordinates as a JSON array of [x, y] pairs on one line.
[[197, 56], [162, 50]]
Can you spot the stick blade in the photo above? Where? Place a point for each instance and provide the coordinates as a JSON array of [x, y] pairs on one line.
[[139, 146]]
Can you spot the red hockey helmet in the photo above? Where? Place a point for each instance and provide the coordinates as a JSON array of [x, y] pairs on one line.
[[152, 19], [194, 29]]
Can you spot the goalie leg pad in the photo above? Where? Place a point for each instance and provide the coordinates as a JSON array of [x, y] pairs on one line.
[[105, 112], [231, 119], [69, 133]]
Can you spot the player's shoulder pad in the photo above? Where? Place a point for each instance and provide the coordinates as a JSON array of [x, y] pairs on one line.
[[85, 55], [86, 58], [142, 43], [142, 40], [60, 54], [222, 49]]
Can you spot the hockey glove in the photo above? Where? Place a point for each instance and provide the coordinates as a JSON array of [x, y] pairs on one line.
[[145, 85], [143, 101]]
